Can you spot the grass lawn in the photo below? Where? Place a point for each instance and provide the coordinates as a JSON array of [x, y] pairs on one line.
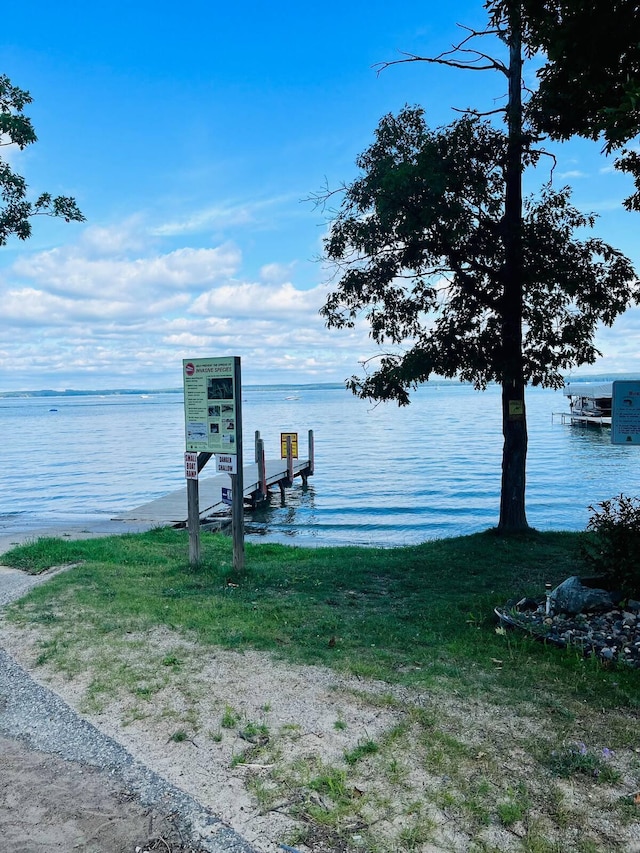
[[419, 618]]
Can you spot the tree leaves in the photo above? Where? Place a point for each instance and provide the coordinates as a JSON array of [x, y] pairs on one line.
[[17, 210], [418, 243]]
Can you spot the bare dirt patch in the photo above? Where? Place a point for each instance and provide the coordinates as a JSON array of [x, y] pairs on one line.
[[47, 805], [303, 756]]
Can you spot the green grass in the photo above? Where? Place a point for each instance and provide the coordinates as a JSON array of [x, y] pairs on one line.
[[421, 615]]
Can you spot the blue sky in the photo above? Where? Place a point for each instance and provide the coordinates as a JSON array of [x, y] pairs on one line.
[[191, 136]]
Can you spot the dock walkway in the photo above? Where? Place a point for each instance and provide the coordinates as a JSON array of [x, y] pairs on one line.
[[172, 508]]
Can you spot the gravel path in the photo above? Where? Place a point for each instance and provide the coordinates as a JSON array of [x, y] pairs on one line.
[[37, 717]]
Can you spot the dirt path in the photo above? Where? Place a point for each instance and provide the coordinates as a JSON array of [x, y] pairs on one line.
[[64, 786], [48, 804]]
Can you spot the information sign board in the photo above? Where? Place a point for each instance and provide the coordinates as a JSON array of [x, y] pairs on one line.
[[210, 404], [227, 497], [191, 465], [625, 412], [283, 444]]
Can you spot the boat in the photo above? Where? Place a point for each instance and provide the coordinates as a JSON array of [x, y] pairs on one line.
[[589, 403]]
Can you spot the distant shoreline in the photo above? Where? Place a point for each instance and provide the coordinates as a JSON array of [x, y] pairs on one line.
[[121, 392], [300, 386]]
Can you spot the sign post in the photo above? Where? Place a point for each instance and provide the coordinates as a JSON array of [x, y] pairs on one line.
[[237, 481], [193, 500], [213, 424]]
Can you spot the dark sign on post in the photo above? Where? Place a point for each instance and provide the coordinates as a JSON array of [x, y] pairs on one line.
[[625, 412]]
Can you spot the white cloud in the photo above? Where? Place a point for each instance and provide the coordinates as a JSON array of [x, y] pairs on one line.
[[119, 309], [114, 310], [128, 236], [572, 173], [258, 299], [71, 273], [241, 213]]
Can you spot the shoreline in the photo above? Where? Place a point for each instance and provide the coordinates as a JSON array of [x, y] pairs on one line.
[[37, 528]]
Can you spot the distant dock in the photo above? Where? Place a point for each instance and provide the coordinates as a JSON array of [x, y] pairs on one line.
[[259, 478]]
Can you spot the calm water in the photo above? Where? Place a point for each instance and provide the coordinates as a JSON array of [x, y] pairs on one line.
[[384, 476]]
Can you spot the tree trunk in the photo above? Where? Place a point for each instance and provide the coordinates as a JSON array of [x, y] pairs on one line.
[[514, 424], [513, 516]]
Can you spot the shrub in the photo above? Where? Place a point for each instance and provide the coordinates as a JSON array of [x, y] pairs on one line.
[[614, 548]]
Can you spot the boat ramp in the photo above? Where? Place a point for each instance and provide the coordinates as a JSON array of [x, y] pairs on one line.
[[259, 478]]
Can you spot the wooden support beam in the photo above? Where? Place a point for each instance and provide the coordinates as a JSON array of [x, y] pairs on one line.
[[311, 453], [262, 469]]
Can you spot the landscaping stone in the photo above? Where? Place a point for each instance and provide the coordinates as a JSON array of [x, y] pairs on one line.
[[611, 634], [573, 597]]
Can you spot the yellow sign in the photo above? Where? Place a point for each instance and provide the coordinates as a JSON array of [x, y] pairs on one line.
[[283, 444]]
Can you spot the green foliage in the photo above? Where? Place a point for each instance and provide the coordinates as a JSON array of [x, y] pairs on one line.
[[515, 807], [332, 783], [614, 548], [418, 241], [354, 755], [577, 759], [179, 737], [591, 46], [17, 211], [230, 718]]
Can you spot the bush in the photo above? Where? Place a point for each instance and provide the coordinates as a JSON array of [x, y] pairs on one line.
[[614, 548]]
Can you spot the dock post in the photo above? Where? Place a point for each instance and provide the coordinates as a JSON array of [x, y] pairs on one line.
[[262, 469], [311, 452], [289, 460], [257, 441]]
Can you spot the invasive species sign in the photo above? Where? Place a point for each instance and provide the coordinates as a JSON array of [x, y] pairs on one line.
[[625, 412], [210, 405], [213, 425]]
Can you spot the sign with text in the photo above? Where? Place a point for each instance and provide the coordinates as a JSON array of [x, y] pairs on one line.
[[210, 404], [625, 412], [226, 463], [283, 444], [191, 465], [227, 496]]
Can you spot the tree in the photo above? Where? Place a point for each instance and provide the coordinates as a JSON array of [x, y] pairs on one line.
[[434, 245], [16, 210], [590, 81]]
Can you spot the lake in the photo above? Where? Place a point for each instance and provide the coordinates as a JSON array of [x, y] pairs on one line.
[[384, 475]]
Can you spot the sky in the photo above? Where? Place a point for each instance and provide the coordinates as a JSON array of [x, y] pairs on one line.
[[193, 137]]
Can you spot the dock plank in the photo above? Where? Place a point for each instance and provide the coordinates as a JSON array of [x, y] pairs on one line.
[[172, 508]]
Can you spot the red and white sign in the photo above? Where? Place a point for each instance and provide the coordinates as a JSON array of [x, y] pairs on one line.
[[190, 368], [191, 465], [226, 463]]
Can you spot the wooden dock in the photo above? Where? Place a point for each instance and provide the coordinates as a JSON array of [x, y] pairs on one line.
[[258, 478]]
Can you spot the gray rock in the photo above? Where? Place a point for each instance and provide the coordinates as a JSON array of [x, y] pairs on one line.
[[572, 597]]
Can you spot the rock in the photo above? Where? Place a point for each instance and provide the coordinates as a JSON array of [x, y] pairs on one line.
[[572, 597]]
